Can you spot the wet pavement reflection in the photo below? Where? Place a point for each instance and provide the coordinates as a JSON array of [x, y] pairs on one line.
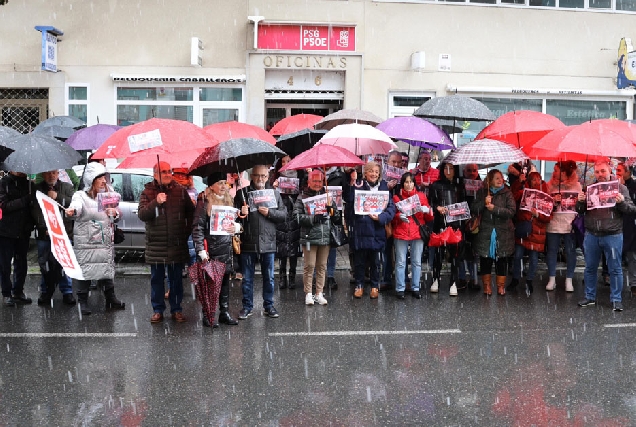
[[465, 361]]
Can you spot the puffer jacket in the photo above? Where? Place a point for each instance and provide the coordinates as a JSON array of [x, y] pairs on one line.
[[537, 237], [607, 221], [259, 232], [65, 193], [410, 230], [314, 233], [168, 225], [443, 193], [500, 219], [15, 202], [288, 232], [365, 233], [219, 245], [561, 223]]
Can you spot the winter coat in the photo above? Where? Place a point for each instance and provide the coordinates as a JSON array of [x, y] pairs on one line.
[[428, 177], [499, 219], [629, 220], [537, 237], [443, 193], [607, 221], [288, 231], [219, 245], [366, 233], [15, 202], [168, 225], [314, 233], [562, 223], [336, 178], [259, 232], [410, 230], [65, 193]]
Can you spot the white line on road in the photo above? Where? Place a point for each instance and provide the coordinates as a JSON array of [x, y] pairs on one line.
[[620, 325], [354, 333], [68, 335]]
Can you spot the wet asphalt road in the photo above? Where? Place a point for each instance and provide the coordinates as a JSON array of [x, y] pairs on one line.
[[439, 361]]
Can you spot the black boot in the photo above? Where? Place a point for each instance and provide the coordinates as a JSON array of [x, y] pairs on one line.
[[112, 303], [529, 287], [82, 300], [224, 315], [283, 282], [513, 284], [292, 280]]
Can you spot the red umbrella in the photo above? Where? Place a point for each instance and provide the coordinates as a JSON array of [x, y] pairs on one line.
[[178, 159], [294, 123], [584, 142], [154, 137], [521, 128], [323, 156], [232, 130]]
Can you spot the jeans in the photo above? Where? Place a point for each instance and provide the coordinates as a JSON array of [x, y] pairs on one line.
[[249, 259], [191, 251], [16, 250], [517, 264], [331, 262], [157, 288], [64, 283], [553, 241], [612, 247], [401, 250]]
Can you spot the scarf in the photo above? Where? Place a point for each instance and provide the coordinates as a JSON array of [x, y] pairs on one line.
[[494, 190]]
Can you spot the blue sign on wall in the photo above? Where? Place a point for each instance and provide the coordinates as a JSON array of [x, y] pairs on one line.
[[49, 47]]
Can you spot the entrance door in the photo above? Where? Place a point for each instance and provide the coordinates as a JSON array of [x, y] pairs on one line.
[[210, 116], [278, 109], [23, 115]]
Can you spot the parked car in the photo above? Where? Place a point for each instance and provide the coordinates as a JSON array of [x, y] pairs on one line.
[[129, 183]]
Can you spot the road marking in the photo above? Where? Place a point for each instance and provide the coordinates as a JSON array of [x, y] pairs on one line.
[[620, 325], [68, 335], [355, 333]]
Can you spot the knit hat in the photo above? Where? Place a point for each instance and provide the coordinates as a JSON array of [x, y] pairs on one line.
[[214, 177]]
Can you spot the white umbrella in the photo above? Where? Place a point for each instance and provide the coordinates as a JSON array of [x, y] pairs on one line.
[[359, 139]]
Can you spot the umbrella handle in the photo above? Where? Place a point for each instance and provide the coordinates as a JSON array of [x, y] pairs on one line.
[[240, 215]]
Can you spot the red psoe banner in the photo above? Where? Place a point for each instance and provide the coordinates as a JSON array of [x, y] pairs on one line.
[[306, 37]]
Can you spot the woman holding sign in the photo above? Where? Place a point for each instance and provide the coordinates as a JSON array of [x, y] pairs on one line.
[[412, 211], [93, 238], [214, 223]]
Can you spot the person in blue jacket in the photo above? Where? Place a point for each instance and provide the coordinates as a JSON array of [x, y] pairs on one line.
[[367, 232]]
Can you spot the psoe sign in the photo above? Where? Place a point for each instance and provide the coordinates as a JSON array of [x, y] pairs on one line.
[[306, 37]]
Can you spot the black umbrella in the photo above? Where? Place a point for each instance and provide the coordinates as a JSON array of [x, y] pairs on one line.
[[298, 142], [455, 107], [56, 131], [63, 121], [450, 126], [37, 153], [6, 132], [235, 155]]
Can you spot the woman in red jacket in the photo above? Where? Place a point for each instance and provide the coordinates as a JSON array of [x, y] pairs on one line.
[[535, 224], [406, 232]]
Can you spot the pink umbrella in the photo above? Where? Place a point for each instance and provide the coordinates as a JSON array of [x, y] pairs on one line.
[[232, 130], [323, 156], [359, 139], [294, 123]]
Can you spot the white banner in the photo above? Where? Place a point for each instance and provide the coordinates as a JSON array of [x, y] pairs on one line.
[[60, 244]]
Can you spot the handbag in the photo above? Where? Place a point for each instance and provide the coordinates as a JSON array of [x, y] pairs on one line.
[[425, 232], [118, 235], [338, 237], [388, 229], [472, 225], [236, 244], [523, 229]]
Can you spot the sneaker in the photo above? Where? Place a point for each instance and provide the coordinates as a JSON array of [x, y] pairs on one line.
[[551, 284], [568, 285], [453, 290], [320, 299], [244, 313], [435, 286], [358, 292], [309, 299], [586, 302], [617, 306], [271, 312], [8, 301]]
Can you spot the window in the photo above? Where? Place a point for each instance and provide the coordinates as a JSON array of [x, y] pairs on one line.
[[77, 101], [405, 104], [621, 5]]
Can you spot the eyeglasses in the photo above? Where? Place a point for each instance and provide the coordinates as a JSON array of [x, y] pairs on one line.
[[262, 176]]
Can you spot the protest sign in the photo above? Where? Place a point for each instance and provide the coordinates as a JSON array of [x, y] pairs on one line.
[[222, 219], [409, 206], [370, 202], [316, 205], [457, 212], [602, 195], [261, 198], [109, 199], [335, 192], [472, 186], [390, 173], [568, 202], [535, 199], [288, 185]]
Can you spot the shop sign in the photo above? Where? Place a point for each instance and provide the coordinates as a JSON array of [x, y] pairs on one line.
[[306, 37], [305, 61], [123, 78], [626, 75]]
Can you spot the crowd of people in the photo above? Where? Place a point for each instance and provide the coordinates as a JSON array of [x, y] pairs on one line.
[[494, 222]]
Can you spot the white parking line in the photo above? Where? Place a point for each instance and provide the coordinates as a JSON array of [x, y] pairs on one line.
[[355, 333], [620, 325], [68, 335]]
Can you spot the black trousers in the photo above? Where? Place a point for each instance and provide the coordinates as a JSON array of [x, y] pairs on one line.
[[16, 250]]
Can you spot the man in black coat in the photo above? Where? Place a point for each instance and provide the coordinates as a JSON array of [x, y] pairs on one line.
[[624, 175], [15, 228]]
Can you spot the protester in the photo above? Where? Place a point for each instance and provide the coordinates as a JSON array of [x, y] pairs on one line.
[[259, 243], [395, 160], [467, 271], [625, 177], [15, 229], [406, 233], [166, 208], [534, 243], [50, 269], [93, 234], [604, 234], [219, 246], [315, 237], [496, 205], [335, 178], [424, 174], [287, 232], [367, 232], [564, 179]]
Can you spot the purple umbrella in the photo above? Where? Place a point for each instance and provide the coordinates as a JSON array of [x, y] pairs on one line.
[[92, 137], [416, 132]]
